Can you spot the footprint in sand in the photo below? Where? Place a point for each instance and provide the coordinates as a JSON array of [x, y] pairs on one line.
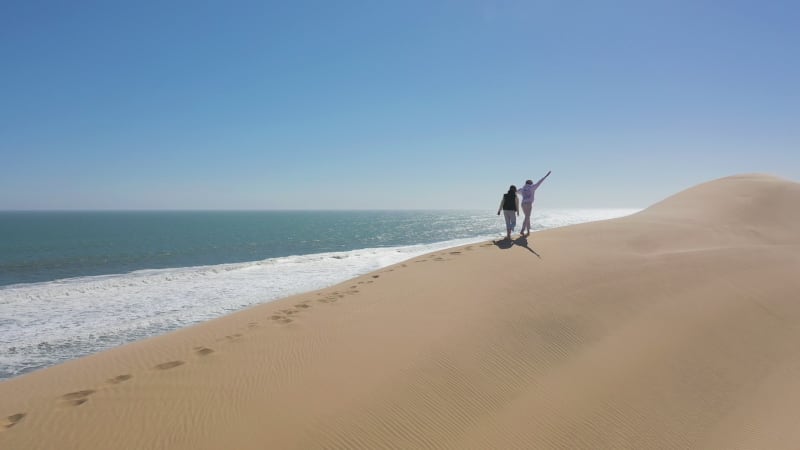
[[77, 398], [12, 420], [233, 337], [230, 338], [455, 253], [169, 365], [280, 318], [376, 276], [302, 305], [120, 379], [252, 325], [203, 351], [336, 296]]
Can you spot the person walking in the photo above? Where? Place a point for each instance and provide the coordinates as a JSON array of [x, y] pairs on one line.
[[528, 191], [509, 204]]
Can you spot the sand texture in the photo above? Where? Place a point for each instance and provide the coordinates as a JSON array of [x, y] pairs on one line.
[[675, 328]]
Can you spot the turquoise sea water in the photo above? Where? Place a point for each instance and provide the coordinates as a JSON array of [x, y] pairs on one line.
[[44, 246], [74, 283]]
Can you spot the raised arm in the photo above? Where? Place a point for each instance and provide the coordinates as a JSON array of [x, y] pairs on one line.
[[540, 181]]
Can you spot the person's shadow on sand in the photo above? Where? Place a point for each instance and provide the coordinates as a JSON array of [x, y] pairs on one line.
[[505, 244]]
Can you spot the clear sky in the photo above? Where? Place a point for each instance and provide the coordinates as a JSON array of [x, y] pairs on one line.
[[377, 104]]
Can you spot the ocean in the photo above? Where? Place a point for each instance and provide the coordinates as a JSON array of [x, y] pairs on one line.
[[76, 283]]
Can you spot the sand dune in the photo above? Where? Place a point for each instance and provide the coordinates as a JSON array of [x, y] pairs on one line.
[[676, 327]]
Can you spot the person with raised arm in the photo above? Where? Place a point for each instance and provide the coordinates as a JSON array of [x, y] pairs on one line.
[[528, 191]]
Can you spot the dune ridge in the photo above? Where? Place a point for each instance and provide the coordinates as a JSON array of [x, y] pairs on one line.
[[675, 327]]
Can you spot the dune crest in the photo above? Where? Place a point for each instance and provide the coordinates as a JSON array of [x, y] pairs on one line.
[[732, 212], [739, 201]]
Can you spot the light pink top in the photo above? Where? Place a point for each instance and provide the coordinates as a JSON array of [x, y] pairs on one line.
[[528, 191]]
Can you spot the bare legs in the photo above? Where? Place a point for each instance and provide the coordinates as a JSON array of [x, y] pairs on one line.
[[526, 224]]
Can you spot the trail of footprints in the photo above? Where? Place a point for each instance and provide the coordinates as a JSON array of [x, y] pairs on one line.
[[78, 398], [443, 256], [282, 317]]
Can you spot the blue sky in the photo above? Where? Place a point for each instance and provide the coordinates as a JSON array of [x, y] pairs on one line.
[[377, 104]]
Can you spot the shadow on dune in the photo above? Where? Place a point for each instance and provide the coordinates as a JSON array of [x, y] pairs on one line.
[[505, 244]]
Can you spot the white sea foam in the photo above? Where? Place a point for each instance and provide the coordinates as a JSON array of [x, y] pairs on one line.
[[46, 323], [49, 322]]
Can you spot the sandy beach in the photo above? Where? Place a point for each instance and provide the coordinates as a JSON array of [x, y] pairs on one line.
[[676, 327]]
